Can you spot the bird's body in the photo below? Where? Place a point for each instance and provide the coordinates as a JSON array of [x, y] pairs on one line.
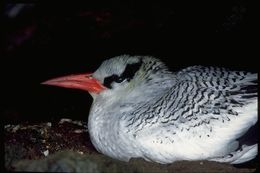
[[198, 113]]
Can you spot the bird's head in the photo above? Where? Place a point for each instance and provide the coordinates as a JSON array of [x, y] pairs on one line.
[[119, 74]]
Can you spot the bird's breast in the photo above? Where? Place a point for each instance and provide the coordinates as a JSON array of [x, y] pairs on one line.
[[107, 136]]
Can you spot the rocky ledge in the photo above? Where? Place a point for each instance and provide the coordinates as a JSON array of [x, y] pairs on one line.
[[64, 146]]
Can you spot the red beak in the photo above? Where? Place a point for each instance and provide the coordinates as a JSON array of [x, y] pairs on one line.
[[80, 81]]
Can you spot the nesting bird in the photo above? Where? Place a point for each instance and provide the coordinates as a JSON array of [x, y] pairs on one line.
[[141, 109]]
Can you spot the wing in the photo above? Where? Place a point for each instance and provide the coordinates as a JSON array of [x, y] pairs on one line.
[[199, 95], [207, 106], [214, 93], [213, 96]]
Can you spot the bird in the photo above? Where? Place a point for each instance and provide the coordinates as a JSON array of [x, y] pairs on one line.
[[142, 109]]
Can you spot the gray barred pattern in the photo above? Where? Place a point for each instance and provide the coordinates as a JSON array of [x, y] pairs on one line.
[[201, 94]]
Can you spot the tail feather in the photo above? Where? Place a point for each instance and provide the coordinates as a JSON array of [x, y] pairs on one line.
[[244, 154]]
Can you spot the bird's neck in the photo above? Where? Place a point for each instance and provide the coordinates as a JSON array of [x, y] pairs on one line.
[[157, 85]]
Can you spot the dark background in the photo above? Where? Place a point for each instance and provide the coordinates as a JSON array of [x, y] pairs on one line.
[[42, 41]]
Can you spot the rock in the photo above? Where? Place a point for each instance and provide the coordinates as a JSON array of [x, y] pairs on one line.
[[57, 148]]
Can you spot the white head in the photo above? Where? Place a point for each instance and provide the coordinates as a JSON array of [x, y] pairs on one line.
[[118, 75]]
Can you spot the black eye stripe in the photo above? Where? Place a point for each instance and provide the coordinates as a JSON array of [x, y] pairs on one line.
[[130, 70], [128, 74]]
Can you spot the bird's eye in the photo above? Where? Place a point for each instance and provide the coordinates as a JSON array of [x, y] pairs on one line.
[[119, 80], [128, 74], [113, 78]]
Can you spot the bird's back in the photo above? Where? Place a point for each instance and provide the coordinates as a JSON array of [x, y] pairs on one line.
[[201, 117]]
